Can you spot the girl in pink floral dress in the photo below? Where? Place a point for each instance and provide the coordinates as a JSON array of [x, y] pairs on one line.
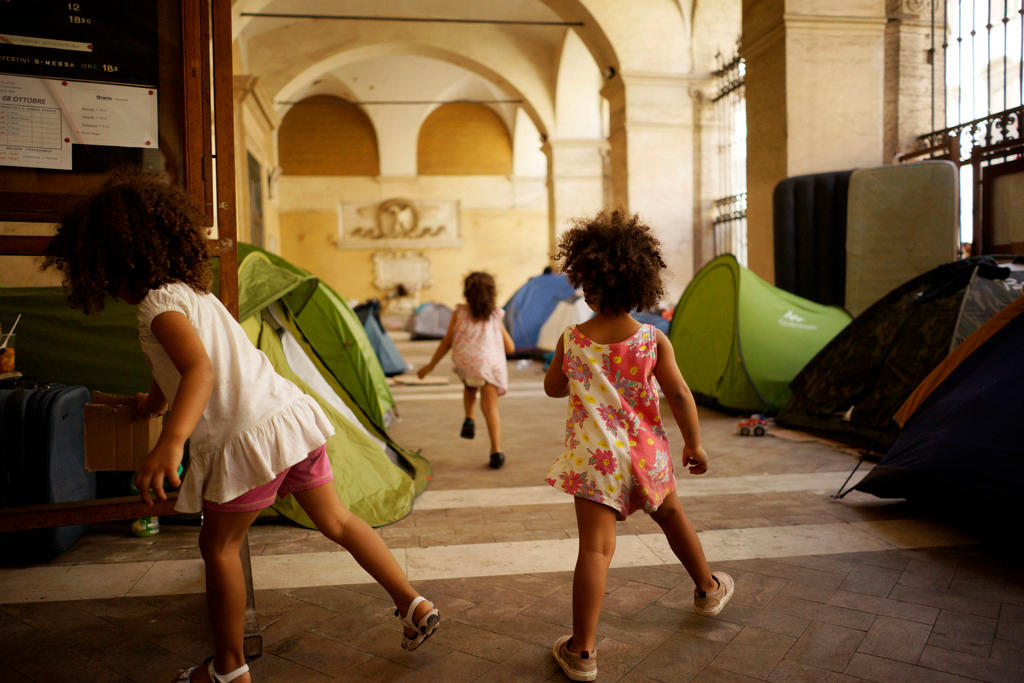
[[479, 344], [617, 459]]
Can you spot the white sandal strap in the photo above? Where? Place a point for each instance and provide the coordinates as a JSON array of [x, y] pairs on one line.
[[226, 678], [412, 610]]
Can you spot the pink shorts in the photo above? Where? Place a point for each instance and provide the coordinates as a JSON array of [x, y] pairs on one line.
[[310, 473]]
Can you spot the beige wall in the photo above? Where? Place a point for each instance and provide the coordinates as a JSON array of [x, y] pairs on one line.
[[504, 227], [23, 271], [255, 126]]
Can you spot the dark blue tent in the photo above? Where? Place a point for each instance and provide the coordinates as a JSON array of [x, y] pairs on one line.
[[961, 437], [652, 319], [531, 305], [391, 360]]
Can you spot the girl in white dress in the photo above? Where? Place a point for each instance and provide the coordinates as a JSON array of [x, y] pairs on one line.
[[253, 435], [479, 344]]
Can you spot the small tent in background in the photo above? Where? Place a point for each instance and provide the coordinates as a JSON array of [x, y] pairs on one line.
[[961, 436], [739, 341], [568, 312], [532, 304], [391, 360], [851, 389], [430, 321], [373, 475], [652, 318]]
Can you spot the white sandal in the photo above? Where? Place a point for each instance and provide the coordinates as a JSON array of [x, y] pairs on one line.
[[186, 674], [428, 624]]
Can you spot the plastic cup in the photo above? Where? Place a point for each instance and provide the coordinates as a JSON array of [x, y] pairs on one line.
[[7, 355]]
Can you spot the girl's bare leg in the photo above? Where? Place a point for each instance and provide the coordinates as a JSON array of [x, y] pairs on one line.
[[685, 543], [469, 401], [489, 406], [337, 523], [220, 541], [596, 523]]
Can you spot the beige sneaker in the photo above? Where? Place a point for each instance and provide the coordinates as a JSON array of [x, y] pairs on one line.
[[712, 603], [578, 667]]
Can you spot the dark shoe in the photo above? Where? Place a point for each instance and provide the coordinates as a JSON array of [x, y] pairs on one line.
[[577, 667], [468, 429], [497, 460]]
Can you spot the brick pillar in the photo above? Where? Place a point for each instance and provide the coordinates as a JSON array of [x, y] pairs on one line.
[[815, 99]]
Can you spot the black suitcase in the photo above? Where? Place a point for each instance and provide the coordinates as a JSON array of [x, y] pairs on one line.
[[42, 460]]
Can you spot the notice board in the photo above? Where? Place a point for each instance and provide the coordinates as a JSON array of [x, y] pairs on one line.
[[91, 88]]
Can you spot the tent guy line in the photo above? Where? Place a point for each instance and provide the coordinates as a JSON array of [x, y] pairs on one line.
[[688, 487]]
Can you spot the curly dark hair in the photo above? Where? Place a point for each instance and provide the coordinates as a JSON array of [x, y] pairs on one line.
[[481, 293], [136, 234], [616, 260]]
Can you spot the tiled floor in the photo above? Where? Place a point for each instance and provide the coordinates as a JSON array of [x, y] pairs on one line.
[[859, 589]]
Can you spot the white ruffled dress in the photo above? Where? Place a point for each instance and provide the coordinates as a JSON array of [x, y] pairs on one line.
[[256, 424]]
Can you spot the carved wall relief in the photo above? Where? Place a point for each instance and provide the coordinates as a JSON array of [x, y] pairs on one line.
[[399, 224]]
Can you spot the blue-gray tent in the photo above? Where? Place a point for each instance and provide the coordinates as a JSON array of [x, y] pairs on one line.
[[391, 361], [531, 305], [430, 321]]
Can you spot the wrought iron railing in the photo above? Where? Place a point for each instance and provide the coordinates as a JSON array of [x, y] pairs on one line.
[[728, 112], [982, 90], [729, 222], [982, 132]]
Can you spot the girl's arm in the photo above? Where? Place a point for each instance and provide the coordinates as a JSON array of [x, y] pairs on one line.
[[681, 403], [510, 345], [556, 384], [176, 334], [442, 349]]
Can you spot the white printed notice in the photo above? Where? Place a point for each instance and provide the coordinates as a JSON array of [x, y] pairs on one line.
[[40, 119], [32, 124], [113, 115]]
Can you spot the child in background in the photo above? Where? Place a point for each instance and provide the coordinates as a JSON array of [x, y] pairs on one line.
[[617, 458], [479, 344], [253, 434]]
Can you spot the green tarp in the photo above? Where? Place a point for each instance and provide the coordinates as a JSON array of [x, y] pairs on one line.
[[58, 343], [739, 341]]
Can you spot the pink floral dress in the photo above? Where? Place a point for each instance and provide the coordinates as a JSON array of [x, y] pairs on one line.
[[616, 451], [478, 350]]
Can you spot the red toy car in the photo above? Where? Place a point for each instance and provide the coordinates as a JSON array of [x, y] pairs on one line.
[[755, 424]]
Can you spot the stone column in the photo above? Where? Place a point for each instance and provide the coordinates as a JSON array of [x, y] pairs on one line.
[[255, 124], [575, 182], [651, 158], [815, 89], [914, 72]]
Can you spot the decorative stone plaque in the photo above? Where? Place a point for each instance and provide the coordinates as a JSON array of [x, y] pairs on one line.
[[399, 224]]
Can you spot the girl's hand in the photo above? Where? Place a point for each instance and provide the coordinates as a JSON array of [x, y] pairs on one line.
[[149, 405], [425, 370], [696, 459], [161, 466]]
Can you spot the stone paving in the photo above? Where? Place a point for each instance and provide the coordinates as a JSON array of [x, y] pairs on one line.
[[941, 600]]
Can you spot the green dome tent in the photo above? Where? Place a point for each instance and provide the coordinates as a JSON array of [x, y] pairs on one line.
[[739, 341], [334, 330], [289, 315]]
